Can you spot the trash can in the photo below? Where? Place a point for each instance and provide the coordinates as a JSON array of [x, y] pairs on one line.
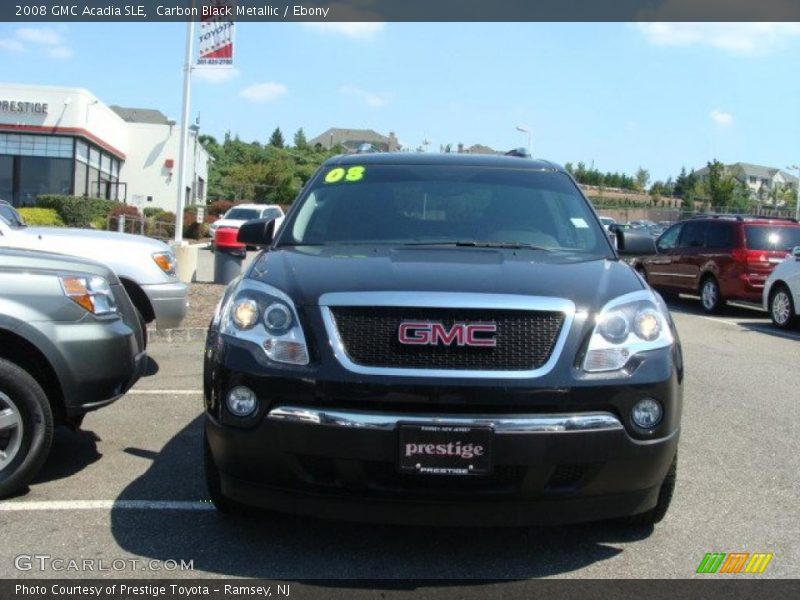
[[228, 255]]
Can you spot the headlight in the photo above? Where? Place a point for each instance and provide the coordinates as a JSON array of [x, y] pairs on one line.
[[277, 333], [92, 293], [245, 313], [165, 262], [627, 326]]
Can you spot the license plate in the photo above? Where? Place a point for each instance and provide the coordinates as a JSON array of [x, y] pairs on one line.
[[445, 449]]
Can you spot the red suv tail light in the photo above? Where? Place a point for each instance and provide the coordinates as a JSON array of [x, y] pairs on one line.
[[751, 257]]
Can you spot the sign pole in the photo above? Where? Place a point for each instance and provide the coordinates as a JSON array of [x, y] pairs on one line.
[[184, 134]]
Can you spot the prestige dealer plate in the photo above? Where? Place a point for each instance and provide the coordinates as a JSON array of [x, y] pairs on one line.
[[445, 449]]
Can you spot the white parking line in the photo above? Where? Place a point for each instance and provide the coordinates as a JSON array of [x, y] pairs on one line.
[[106, 505], [164, 392]]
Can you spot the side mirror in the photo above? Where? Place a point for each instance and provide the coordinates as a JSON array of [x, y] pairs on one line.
[[796, 252], [256, 232], [639, 243]]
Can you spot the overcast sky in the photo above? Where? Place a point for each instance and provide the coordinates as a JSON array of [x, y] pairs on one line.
[[619, 95]]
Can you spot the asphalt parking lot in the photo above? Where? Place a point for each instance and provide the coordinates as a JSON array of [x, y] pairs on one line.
[[130, 486]]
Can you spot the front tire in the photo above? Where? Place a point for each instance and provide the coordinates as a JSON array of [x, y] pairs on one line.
[[26, 428], [711, 296], [781, 308]]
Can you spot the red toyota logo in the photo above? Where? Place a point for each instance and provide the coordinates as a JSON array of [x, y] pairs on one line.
[[425, 333]]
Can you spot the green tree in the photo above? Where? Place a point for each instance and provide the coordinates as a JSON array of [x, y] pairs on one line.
[[720, 186], [300, 141], [642, 178], [276, 139]]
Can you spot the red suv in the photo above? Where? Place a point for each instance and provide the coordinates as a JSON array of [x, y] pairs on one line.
[[719, 257]]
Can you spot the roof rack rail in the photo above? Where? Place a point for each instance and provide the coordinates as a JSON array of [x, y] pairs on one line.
[[518, 152], [742, 217]]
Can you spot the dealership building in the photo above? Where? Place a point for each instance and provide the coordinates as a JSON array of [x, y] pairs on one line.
[[56, 140]]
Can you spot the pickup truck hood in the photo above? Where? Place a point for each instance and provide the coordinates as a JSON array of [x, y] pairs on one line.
[[130, 256], [99, 245], [306, 273], [235, 223]]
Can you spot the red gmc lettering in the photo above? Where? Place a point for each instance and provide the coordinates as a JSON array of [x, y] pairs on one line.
[[420, 333]]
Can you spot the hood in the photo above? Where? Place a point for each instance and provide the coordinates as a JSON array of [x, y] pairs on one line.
[[228, 223], [306, 273], [86, 242]]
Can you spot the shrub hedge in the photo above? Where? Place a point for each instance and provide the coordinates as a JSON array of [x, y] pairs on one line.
[[46, 217], [76, 211]]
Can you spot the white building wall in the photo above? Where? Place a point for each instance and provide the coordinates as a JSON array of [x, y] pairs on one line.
[[150, 181], [143, 147], [72, 111]]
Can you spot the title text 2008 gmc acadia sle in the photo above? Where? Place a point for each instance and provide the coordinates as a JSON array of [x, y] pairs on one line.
[[442, 339]]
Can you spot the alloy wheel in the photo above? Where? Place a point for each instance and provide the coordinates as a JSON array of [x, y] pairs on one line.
[[781, 307], [10, 431], [709, 294]]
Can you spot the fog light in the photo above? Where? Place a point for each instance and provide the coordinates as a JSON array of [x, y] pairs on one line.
[[242, 401], [647, 413]]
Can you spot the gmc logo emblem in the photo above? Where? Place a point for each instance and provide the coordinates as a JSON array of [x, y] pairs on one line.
[[425, 333]]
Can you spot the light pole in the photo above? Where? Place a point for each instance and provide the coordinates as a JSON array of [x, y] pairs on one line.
[[527, 130], [797, 193]]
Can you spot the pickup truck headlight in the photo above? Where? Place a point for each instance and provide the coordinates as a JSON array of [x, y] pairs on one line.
[[90, 292], [165, 262], [627, 326], [277, 332]]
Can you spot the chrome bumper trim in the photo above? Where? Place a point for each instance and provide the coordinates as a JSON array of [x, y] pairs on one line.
[[553, 423]]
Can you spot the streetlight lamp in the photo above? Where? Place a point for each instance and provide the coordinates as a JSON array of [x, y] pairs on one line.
[[527, 130], [797, 192]]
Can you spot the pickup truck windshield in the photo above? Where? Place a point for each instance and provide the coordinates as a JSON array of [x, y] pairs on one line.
[[10, 217], [458, 205], [244, 214]]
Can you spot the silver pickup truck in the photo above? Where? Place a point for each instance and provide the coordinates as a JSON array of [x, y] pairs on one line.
[[146, 267], [70, 342]]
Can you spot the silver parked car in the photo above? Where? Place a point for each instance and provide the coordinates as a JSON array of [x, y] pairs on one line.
[[70, 342], [146, 267]]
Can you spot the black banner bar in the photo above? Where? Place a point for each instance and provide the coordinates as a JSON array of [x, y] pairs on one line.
[[404, 10], [254, 589]]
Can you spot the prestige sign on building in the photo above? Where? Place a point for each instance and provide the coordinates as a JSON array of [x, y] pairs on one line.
[[20, 106]]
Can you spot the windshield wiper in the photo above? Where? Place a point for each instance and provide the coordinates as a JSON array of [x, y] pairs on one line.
[[481, 244]]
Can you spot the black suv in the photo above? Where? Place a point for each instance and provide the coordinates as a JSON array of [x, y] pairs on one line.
[[442, 339]]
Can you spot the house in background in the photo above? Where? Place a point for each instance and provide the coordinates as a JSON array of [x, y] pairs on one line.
[[759, 180], [351, 139]]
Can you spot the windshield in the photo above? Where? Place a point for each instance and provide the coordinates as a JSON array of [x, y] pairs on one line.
[[413, 204], [243, 214], [11, 217], [770, 237]]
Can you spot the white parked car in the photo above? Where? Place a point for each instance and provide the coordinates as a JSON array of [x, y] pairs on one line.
[[607, 222], [241, 213], [146, 267], [782, 291]]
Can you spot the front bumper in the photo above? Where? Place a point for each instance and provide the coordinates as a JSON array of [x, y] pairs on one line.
[[169, 303], [548, 468], [96, 361]]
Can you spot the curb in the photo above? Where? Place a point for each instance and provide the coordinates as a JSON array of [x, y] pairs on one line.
[[181, 334]]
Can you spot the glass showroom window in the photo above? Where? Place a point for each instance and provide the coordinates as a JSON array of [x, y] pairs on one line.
[[41, 175], [81, 168]]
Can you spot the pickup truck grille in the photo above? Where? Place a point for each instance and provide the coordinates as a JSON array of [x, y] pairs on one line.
[[525, 338]]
